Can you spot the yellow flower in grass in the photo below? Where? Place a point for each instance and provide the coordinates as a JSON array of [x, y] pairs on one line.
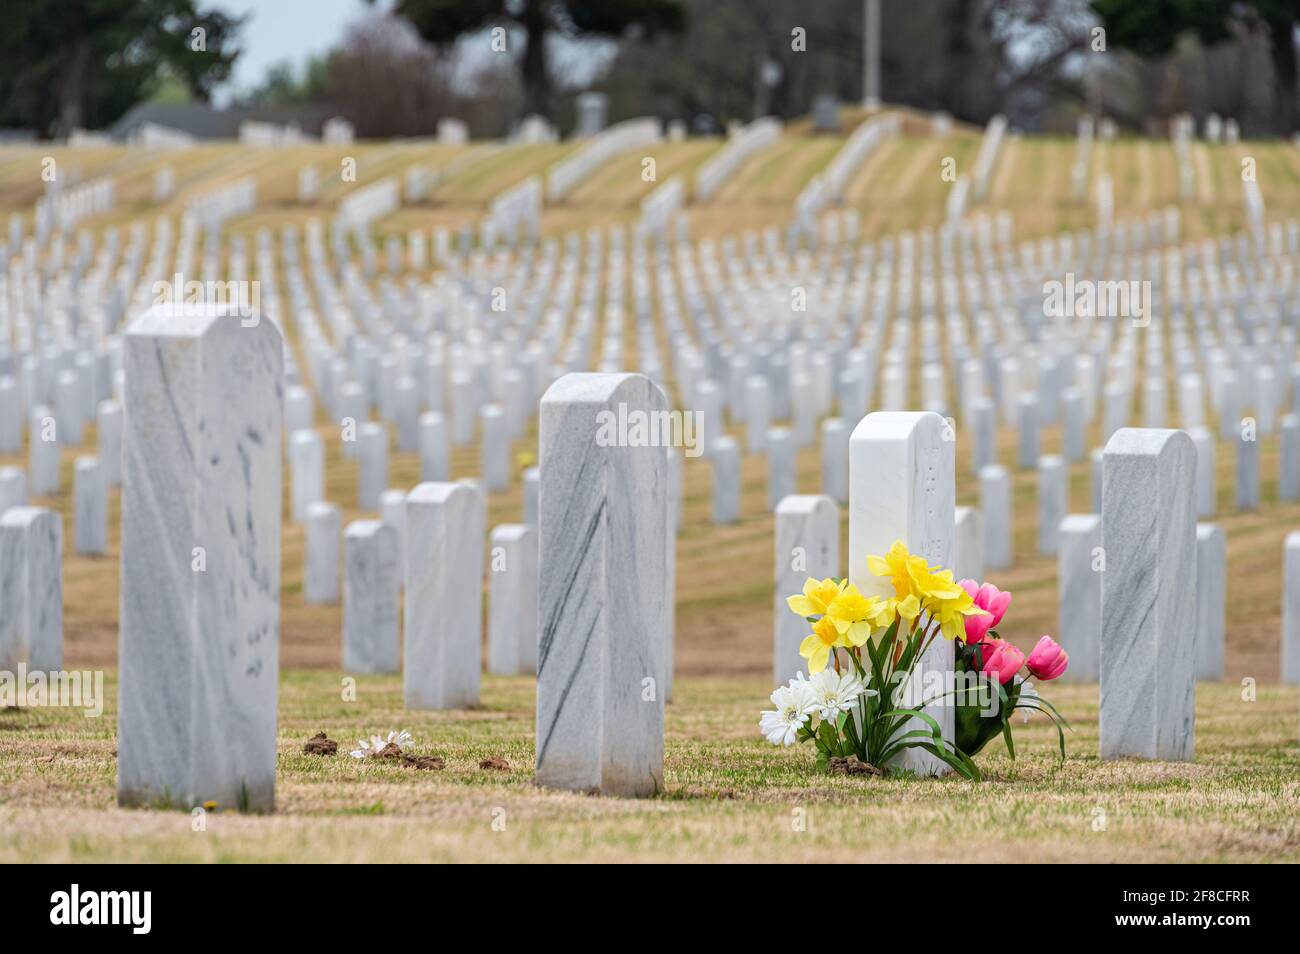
[[855, 616], [817, 596], [817, 646]]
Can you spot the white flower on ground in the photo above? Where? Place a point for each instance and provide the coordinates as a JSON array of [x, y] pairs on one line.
[[794, 704], [834, 692], [376, 744]]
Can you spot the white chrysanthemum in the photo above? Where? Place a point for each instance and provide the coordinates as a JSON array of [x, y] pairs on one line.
[[794, 704], [376, 744], [834, 692]]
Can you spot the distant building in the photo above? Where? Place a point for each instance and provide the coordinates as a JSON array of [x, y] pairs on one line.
[[202, 121]]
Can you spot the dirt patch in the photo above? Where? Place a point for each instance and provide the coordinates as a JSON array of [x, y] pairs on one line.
[[851, 765], [318, 744], [495, 764], [423, 762]]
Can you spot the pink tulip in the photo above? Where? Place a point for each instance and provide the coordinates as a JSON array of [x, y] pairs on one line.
[[1001, 659], [1048, 660], [992, 601]]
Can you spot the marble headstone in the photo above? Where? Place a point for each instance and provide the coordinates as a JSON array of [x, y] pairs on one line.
[[31, 589], [902, 486], [512, 600], [371, 592], [1149, 536], [807, 545], [324, 525], [1211, 600], [200, 592], [603, 512], [1078, 581], [445, 527]]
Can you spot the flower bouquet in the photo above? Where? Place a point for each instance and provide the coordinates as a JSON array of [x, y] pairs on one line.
[[864, 704]]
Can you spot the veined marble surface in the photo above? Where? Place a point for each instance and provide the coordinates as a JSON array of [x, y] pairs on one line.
[[200, 554], [602, 591]]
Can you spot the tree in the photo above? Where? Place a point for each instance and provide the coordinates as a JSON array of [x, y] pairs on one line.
[[83, 63], [971, 58], [1153, 28], [284, 86], [385, 81], [442, 22]]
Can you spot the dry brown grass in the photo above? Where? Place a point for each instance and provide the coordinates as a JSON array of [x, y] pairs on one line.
[[730, 796]]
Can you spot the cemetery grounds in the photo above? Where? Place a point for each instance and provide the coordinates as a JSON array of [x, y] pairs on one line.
[[729, 795]]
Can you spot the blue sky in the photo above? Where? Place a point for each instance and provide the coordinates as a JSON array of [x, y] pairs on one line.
[[294, 30], [291, 30]]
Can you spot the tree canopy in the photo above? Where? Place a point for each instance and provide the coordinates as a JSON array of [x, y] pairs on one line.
[[83, 63], [442, 22]]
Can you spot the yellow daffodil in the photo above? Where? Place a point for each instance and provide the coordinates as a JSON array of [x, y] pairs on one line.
[[919, 586], [901, 567], [817, 596], [952, 612], [817, 646], [855, 616], [909, 608]]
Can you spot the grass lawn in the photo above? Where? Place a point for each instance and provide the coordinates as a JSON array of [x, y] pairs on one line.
[[729, 795]]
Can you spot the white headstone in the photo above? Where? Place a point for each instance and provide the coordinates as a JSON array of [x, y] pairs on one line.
[[512, 600], [1291, 610], [603, 511], [1149, 537], [995, 511], [807, 545], [1211, 600], [371, 592], [445, 526], [200, 591], [968, 545], [324, 526], [31, 589], [902, 486], [90, 508], [1079, 562], [306, 472]]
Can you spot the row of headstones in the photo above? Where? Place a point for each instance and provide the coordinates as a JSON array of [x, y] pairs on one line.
[[605, 523], [1125, 575], [381, 558], [605, 531], [807, 544]]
